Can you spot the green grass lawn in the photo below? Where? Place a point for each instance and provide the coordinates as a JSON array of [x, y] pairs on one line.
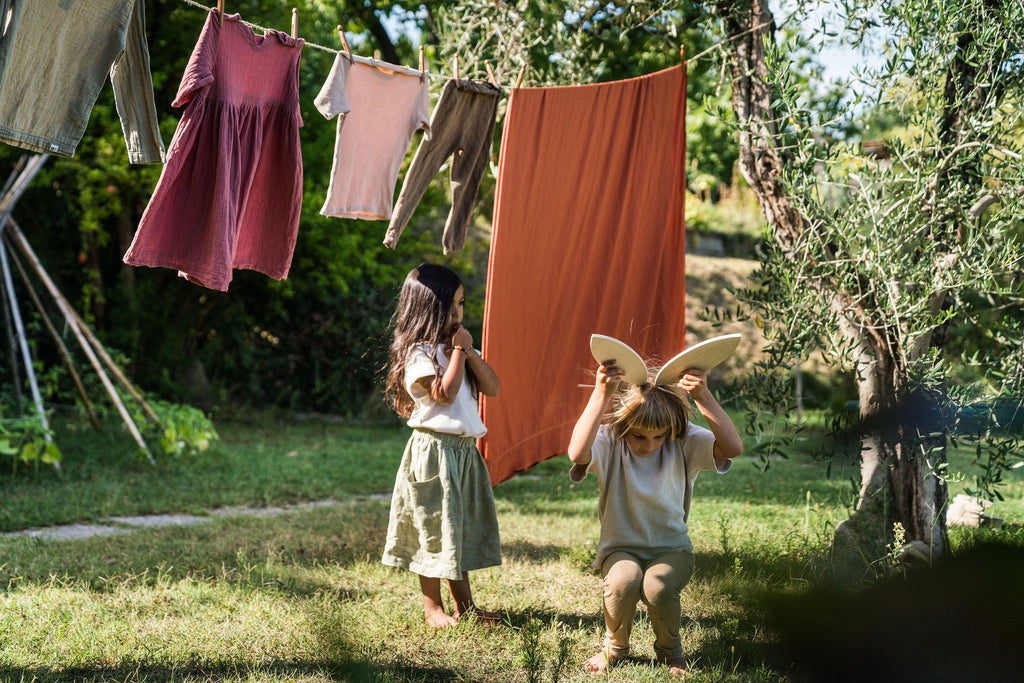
[[303, 597]]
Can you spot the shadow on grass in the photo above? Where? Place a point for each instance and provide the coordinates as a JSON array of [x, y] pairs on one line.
[[550, 618], [956, 620], [348, 671], [524, 551], [733, 643], [180, 673]]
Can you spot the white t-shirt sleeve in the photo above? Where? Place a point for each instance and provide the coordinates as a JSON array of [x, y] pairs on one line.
[[333, 97], [417, 367]]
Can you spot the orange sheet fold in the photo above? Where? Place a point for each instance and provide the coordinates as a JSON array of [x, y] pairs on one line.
[[588, 237]]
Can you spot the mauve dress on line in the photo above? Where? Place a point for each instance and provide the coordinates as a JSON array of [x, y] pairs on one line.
[[231, 192]]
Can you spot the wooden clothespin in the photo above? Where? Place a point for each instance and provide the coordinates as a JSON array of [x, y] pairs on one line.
[[220, 12], [490, 75], [682, 55], [423, 65], [344, 44], [295, 22], [456, 70], [519, 80]]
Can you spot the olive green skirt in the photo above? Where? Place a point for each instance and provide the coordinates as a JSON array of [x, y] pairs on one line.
[[443, 521]]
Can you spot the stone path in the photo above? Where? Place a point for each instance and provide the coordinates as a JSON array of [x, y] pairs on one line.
[[109, 526]]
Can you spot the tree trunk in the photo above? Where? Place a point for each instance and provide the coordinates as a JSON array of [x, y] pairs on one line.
[[388, 51], [902, 447], [898, 449]]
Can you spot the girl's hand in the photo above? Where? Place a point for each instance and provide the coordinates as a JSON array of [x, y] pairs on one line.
[[695, 383], [728, 443], [462, 337], [608, 377]]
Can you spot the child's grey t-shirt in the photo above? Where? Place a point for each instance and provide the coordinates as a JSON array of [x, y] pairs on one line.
[[645, 501]]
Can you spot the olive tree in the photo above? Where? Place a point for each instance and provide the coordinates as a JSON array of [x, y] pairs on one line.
[[900, 262]]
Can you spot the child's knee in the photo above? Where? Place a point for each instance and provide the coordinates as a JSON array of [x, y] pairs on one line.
[[655, 593], [623, 586]]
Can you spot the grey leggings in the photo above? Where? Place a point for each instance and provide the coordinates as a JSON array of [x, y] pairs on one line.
[[462, 124]]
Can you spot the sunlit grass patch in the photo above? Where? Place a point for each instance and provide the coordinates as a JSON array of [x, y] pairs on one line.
[[302, 596]]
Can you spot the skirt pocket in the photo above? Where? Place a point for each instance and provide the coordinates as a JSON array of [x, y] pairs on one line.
[[427, 498]]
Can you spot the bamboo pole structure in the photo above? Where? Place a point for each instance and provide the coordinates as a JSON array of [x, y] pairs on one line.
[[8, 322], [34, 165], [15, 235], [92, 347], [12, 345], [14, 187], [61, 346], [107, 360], [19, 328], [14, 175]]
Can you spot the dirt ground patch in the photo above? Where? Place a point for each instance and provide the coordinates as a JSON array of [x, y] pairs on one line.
[[708, 283]]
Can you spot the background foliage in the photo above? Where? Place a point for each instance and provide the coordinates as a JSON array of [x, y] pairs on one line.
[[311, 342], [317, 341]]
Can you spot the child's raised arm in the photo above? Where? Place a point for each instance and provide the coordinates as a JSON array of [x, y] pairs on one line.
[[444, 388], [728, 443], [585, 431], [484, 376]]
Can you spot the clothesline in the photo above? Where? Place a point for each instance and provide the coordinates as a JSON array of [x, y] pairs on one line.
[[364, 60], [716, 46]]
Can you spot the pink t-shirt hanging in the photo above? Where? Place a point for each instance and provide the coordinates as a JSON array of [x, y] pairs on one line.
[[381, 106], [231, 192]]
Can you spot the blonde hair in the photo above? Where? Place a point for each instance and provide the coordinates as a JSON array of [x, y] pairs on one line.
[[646, 406]]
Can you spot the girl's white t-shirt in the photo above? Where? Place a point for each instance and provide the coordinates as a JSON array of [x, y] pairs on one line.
[[644, 501], [462, 417]]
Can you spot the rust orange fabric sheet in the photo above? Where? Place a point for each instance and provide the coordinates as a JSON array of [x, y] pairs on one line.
[[588, 237]]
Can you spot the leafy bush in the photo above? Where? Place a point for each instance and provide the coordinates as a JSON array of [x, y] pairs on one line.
[[26, 440], [182, 431]]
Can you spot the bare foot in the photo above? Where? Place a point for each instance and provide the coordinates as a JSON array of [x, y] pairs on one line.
[[599, 663], [485, 617], [438, 618], [676, 666]]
